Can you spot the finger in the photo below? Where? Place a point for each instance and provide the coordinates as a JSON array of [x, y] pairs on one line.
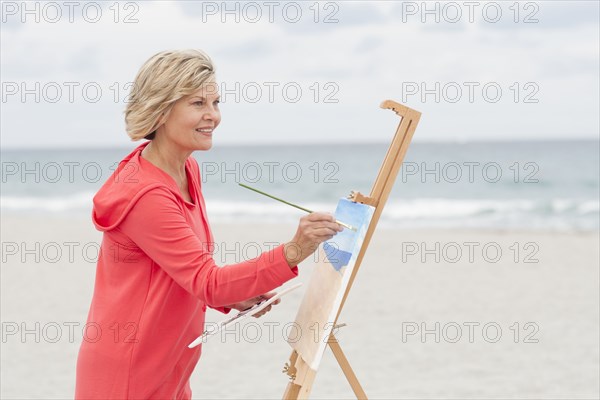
[[333, 226], [320, 216], [264, 310], [267, 296], [324, 231], [253, 300]]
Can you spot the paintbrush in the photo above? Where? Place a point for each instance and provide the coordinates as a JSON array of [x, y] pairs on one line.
[[294, 205]]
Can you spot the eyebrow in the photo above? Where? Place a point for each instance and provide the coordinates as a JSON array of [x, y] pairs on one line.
[[204, 98]]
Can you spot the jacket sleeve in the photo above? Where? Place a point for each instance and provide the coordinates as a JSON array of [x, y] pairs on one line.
[[159, 228]]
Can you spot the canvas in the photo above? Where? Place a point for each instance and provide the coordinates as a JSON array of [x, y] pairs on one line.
[[328, 283]]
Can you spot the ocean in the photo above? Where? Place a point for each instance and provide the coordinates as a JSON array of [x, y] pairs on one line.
[[423, 324], [539, 185]]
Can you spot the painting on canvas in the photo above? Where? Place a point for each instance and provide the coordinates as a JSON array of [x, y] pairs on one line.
[[328, 283]]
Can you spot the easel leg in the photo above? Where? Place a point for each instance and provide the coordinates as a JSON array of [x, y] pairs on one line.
[[343, 362], [302, 378]]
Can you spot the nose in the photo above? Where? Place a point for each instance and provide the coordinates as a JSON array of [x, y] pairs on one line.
[[212, 113]]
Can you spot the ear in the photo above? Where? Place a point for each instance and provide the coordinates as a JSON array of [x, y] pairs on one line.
[[162, 119]]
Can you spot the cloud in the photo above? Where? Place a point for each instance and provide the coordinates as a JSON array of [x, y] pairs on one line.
[[370, 54]]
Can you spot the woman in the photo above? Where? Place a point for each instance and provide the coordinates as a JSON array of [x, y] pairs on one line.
[[155, 274]]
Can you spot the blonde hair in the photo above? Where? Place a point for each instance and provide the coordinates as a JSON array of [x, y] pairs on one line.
[[165, 78]]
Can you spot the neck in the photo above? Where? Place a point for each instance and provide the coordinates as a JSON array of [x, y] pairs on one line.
[[167, 158]]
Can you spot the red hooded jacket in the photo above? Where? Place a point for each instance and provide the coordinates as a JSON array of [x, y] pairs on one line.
[[154, 278]]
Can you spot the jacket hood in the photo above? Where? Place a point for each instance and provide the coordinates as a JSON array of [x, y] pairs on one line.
[[132, 178]]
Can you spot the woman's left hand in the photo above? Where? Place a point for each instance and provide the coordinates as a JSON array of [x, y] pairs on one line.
[[246, 304]]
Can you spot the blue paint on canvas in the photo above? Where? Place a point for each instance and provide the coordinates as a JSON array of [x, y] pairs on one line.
[[339, 250], [338, 258]]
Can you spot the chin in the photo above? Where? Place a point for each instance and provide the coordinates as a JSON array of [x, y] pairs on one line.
[[204, 146]]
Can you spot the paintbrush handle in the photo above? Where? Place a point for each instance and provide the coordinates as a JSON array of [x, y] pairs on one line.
[[292, 204], [277, 198]]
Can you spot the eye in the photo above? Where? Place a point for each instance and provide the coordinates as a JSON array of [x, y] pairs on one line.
[[217, 102], [198, 103]]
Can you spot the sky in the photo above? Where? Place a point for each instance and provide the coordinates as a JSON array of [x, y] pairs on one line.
[[308, 72]]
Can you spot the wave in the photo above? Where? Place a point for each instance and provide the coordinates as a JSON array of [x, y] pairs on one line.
[[558, 214], [76, 202]]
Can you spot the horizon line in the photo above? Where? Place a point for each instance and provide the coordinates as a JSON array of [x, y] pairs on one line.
[[305, 144]]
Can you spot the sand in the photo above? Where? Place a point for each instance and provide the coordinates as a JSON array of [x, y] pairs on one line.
[[474, 324]]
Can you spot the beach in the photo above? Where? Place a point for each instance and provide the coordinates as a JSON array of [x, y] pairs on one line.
[[433, 313], [482, 278]]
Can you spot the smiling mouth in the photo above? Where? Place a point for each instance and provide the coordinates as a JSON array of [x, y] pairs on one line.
[[205, 131]]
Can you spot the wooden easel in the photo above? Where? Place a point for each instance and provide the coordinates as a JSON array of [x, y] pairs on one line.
[[300, 374]]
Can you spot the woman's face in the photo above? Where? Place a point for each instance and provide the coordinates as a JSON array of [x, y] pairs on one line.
[[193, 119]]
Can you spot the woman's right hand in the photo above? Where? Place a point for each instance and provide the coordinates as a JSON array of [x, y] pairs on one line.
[[313, 229]]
